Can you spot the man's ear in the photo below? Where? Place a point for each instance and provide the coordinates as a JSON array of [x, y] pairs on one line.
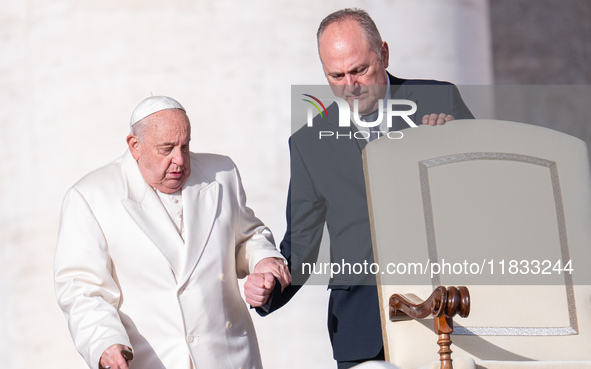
[[385, 54], [134, 146]]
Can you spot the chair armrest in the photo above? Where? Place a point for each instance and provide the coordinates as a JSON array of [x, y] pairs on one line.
[[442, 302]]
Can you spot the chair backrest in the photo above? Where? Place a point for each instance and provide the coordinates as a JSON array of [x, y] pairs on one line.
[[501, 207]]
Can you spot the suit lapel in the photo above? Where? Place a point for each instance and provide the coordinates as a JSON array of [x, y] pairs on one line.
[[399, 90], [347, 150], [200, 208], [146, 209]]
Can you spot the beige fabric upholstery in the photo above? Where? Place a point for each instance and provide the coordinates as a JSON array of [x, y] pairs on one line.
[[375, 365], [486, 191], [468, 363], [459, 363]]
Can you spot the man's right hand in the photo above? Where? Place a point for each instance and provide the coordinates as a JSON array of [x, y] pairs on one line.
[[113, 359]]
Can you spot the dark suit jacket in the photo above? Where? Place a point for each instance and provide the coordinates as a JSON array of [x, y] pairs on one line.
[[327, 186]]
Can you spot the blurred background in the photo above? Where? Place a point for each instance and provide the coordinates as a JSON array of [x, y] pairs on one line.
[[72, 71]]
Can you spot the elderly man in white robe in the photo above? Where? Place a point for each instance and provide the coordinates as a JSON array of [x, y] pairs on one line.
[[149, 251]]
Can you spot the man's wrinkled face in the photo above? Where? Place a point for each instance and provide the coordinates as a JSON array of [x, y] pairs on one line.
[[352, 67], [163, 152]]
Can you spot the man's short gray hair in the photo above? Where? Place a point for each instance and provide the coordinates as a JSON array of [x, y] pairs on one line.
[[370, 30], [139, 128]]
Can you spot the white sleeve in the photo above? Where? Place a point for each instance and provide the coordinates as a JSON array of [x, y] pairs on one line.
[[254, 241], [84, 285]]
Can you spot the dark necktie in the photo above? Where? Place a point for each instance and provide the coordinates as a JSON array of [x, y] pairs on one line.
[[373, 131]]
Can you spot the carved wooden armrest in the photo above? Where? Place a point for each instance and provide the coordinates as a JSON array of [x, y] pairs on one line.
[[443, 304]]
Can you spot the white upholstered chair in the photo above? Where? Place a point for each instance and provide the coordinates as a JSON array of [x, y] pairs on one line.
[[375, 365], [487, 197]]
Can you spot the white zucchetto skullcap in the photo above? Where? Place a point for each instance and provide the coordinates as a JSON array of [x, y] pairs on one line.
[[152, 105]]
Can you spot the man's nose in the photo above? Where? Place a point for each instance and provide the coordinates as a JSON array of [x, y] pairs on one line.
[[351, 82], [177, 157]]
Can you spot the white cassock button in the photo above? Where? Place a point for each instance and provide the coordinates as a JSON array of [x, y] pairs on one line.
[[176, 201], [190, 338], [228, 325], [222, 277]]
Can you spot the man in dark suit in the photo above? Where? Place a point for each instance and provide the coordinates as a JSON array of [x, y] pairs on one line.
[[327, 184]]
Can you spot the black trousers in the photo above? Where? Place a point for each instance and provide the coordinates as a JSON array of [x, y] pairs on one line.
[[350, 364]]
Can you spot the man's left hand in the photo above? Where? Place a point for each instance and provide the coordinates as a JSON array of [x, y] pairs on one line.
[[258, 288], [437, 119], [276, 267], [261, 281]]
